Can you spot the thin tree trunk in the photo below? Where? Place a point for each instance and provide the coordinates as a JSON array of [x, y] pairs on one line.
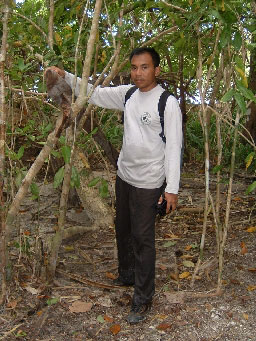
[[57, 239], [81, 100], [229, 195], [206, 148], [50, 24], [3, 117]]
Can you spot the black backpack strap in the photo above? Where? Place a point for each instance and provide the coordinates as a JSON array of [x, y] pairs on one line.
[[161, 108], [128, 94]]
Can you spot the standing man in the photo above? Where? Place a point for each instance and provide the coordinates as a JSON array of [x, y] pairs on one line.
[[147, 167]]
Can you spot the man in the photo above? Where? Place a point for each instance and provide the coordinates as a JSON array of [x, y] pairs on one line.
[[145, 164]]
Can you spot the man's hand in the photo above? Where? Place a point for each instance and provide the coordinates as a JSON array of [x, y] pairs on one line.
[[172, 200], [59, 71]]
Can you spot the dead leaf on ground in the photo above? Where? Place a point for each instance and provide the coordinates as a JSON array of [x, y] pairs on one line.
[[245, 316], [80, 307], [12, 304], [108, 318], [244, 249], [164, 326], [174, 276], [115, 329], [251, 287], [185, 274], [32, 290], [162, 267], [251, 229], [176, 297], [110, 275], [171, 236], [252, 269]]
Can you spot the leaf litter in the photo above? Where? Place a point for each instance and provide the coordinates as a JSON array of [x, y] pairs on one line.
[[80, 310]]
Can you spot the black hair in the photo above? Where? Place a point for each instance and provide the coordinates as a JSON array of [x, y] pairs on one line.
[[140, 50]]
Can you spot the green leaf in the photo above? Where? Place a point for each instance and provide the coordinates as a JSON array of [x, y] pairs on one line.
[[94, 182], [245, 92], [55, 153], [103, 189], [58, 178], [75, 178], [20, 152], [240, 101], [251, 188], [66, 152], [228, 95], [100, 319], [249, 158], [224, 38], [217, 169], [52, 301], [237, 41], [34, 191], [170, 243], [19, 177], [188, 264]]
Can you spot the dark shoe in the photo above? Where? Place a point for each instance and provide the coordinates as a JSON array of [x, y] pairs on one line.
[[120, 282], [138, 313]]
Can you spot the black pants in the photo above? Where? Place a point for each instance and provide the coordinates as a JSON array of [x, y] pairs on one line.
[[135, 235]]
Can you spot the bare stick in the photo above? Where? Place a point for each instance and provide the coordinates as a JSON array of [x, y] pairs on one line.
[[50, 24], [3, 117], [80, 102], [33, 24], [226, 225]]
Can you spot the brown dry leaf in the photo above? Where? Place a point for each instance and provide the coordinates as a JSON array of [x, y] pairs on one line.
[[163, 326], [32, 290], [245, 316], [162, 267], [188, 247], [80, 307], [251, 287], [174, 276], [115, 329], [108, 318], [237, 199], [252, 269], [84, 160], [185, 274], [39, 313], [187, 256], [12, 304], [243, 248], [175, 297], [110, 275], [251, 229], [208, 306], [171, 236]]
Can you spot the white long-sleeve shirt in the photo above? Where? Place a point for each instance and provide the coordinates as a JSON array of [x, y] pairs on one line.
[[145, 161]]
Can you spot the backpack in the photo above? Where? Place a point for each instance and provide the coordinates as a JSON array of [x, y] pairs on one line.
[[161, 107]]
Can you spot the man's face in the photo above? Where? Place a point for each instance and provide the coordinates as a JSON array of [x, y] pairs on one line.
[[143, 72]]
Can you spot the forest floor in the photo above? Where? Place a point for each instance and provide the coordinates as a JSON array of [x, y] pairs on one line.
[[79, 307]]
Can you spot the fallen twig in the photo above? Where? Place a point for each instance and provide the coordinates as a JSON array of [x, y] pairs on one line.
[[87, 281], [10, 331]]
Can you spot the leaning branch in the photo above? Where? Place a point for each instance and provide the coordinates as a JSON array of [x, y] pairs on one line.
[[33, 24]]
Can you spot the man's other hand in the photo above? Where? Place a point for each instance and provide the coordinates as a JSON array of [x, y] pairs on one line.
[[172, 200]]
